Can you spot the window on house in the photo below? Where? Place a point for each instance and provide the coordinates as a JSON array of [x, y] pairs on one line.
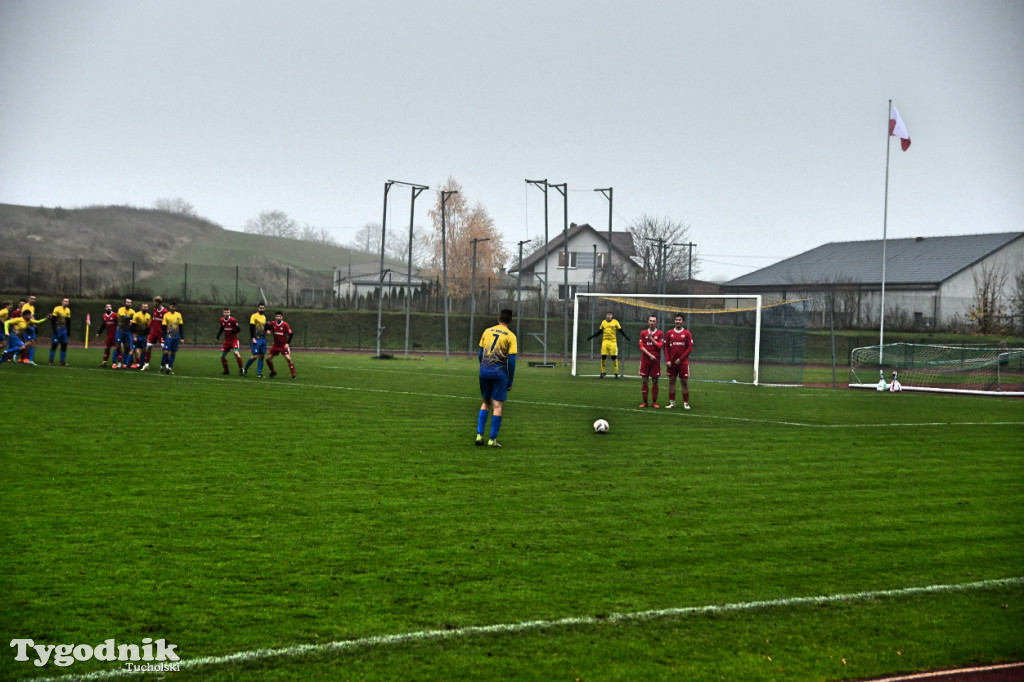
[[572, 291], [571, 257], [602, 260]]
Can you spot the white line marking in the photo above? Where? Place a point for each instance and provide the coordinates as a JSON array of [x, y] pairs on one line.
[[943, 673], [505, 628], [536, 403]]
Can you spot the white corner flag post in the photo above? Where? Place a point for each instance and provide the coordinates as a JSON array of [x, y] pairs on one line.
[[895, 385], [897, 128]]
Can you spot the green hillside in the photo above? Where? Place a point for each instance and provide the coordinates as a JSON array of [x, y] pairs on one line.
[[146, 235], [104, 249]]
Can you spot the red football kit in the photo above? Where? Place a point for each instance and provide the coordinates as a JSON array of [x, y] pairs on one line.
[[156, 327], [281, 332], [110, 320], [651, 341], [678, 345], [230, 328]]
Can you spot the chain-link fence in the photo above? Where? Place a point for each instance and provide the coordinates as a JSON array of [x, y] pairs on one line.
[[277, 285]]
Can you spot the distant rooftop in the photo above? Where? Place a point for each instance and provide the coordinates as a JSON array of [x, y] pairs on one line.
[[921, 260]]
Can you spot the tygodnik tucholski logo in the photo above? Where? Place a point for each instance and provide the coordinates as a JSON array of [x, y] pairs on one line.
[[158, 656]]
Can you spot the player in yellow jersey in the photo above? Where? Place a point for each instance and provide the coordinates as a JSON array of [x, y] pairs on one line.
[[123, 338], [16, 328], [497, 354], [5, 314], [60, 320], [30, 333], [258, 340], [140, 331], [608, 331], [174, 328]]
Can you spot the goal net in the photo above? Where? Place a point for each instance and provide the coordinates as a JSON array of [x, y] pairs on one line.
[[952, 369], [739, 338]]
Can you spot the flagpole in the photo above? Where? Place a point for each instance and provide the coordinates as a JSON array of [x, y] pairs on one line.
[[885, 230]]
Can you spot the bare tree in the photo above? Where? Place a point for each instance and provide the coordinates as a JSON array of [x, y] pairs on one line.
[[175, 205], [397, 246], [367, 238], [317, 235], [273, 224], [988, 311], [649, 233], [464, 224]]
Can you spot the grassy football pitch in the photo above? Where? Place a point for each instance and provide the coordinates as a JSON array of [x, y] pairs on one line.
[[343, 526]]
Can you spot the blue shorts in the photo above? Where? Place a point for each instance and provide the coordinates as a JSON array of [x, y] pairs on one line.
[[494, 387], [59, 336], [123, 337], [171, 345], [13, 342], [258, 346], [139, 341], [30, 333]]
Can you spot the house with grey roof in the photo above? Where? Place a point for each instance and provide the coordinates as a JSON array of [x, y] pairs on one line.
[[363, 279], [586, 257], [930, 282]]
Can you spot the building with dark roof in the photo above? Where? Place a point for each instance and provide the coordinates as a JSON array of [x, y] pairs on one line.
[[588, 257], [930, 282]]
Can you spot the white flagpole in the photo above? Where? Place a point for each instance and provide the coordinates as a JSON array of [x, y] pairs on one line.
[[885, 229]]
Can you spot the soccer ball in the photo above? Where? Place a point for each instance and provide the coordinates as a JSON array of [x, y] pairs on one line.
[[600, 426]]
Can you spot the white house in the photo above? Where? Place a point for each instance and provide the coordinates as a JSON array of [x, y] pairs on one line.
[[584, 262], [930, 282], [364, 278]]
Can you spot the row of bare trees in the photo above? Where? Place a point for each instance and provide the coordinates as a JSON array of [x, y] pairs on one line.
[[660, 242]]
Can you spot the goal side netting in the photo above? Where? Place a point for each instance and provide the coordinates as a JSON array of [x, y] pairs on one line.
[[740, 338], [944, 369]]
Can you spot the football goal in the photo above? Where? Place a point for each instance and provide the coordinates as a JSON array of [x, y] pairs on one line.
[[949, 369], [736, 338]]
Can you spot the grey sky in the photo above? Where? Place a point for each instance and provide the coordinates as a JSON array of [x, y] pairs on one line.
[[762, 125]]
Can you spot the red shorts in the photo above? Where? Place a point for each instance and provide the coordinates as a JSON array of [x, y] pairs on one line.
[[229, 345], [278, 350], [154, 339], [682, 370], [111, 338], [650, 368]]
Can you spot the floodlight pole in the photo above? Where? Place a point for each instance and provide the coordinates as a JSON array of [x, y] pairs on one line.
[[444, 264], [380, 293], [519, 287], [543, 186], [661, 268], [383, 240], [416, 191], [563, 188], [472, 296], [607, 193], [689, 265]]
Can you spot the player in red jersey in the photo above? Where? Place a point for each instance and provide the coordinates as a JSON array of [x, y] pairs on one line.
[[109, 322], [678, 344], [229, 328], [651, 341], [156, 329], [282, 338]]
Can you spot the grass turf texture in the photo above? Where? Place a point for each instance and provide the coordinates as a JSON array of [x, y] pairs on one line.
[[225, 515]]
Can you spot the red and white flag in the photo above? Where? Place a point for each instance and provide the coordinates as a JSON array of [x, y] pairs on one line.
[[897, 128]]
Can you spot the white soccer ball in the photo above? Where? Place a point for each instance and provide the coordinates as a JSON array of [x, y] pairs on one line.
[[600, 426]]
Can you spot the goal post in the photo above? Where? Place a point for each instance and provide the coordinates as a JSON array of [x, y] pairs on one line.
[[941, 369], [738, 338]]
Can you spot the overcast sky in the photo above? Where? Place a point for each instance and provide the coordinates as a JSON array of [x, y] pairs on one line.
[[762, 125]]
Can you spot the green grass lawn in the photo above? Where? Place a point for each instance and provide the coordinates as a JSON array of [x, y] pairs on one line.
[[228, 515]]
